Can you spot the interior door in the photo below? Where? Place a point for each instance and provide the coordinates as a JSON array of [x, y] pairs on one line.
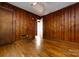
[[6, 33]]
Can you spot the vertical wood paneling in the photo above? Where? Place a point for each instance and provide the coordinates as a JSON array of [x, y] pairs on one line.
[[64, 24], [23, 22], [77, 22], [6, 27]]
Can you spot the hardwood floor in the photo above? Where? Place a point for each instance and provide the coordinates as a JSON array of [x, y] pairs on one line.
[[49, 48]]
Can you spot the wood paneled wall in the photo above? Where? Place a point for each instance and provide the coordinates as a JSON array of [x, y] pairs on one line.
[[63, 24], [23, 22]]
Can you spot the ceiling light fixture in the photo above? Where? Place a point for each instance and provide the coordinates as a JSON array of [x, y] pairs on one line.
[[35, 3], [38, 7]]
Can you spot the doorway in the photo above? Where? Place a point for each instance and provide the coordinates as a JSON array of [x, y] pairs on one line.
[[39, 36]]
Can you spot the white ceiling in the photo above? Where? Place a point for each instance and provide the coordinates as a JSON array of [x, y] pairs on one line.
[[48, 6]]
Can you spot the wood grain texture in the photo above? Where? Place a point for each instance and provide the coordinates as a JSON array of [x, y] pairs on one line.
[[63, 24], [23, 22], [49, 48], [6, 25]]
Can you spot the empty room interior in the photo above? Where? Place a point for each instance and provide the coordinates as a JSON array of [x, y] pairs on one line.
[[39, 29]]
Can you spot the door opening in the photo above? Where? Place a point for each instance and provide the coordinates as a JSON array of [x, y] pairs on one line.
[[39, 35]]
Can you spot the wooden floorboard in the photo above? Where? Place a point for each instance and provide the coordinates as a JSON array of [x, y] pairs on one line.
[[49, 48]]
